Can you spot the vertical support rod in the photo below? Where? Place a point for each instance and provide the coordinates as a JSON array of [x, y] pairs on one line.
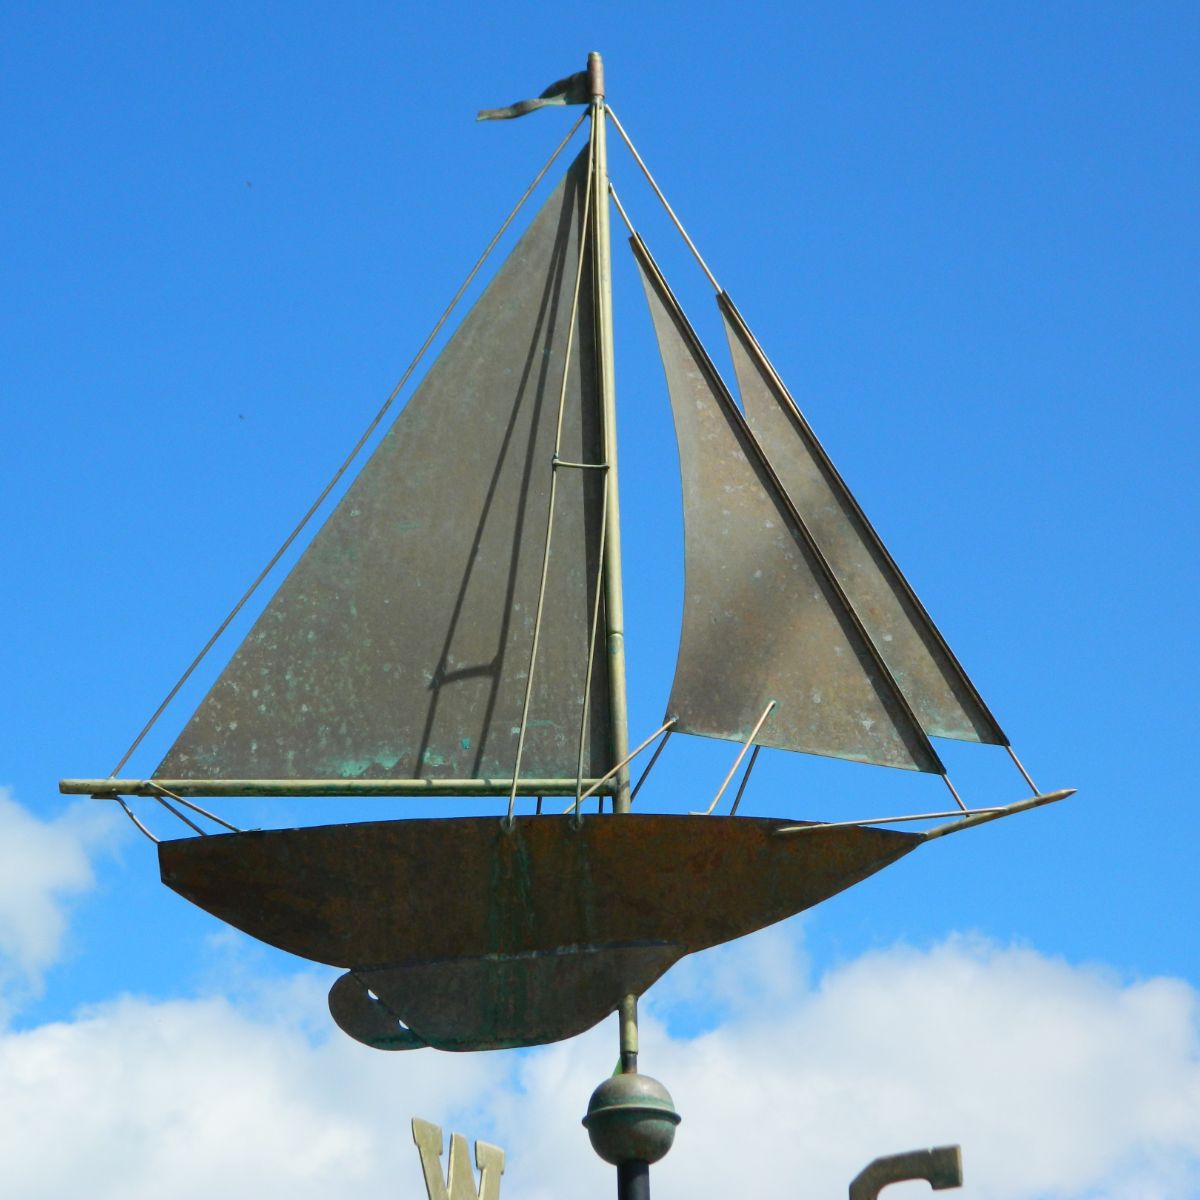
[[629, 1035], [614, 606], [633, 1181]]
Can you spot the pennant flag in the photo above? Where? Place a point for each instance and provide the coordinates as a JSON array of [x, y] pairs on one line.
[[572, 90]]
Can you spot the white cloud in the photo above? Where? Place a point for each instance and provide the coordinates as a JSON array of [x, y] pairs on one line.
[[189, 1099], [42, 864], [1060, 1081]]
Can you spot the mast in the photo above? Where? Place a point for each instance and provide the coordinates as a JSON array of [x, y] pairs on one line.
[[614, 604], [633, 1169]]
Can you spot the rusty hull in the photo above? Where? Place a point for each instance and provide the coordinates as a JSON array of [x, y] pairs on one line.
[[476, 935], [389, 892], [494, 1002]]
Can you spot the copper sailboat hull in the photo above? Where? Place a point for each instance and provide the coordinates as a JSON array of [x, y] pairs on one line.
[[383, 896]]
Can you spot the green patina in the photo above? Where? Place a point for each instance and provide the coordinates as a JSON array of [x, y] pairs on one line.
[[358, 768], [511, 906]]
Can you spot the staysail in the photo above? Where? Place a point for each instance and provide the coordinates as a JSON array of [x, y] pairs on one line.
[[935, 685], [398, 646], [764, 618]]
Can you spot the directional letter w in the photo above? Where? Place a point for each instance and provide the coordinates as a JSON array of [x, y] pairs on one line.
[[459, 1183]]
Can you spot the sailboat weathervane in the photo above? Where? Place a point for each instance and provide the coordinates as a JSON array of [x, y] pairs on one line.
[[455, 628]]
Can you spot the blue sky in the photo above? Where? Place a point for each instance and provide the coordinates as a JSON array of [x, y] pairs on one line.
[[966, 236]]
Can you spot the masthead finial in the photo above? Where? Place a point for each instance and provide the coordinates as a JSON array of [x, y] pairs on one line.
[[595, 71]]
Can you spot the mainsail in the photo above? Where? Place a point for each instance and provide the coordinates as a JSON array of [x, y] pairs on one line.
[[937, 688], [398, 646], [764, 617]]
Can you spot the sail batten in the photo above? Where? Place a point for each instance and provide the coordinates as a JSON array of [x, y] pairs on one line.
[[935, 685], [398, 646], [764, 616]]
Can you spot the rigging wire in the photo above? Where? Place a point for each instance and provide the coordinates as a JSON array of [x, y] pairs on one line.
[[665, 203], [131, 815], [1020, 767], [612, 191], [974, 816], [176, 813], [637, 787], [954, 792], [362, 441], [814, 826], [194, 807], [745, 780], [737, 761], [554, 465], [664, 727]]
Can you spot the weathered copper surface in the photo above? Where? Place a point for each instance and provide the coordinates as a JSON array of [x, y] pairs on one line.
[[365, 1019], [935, 685], [493, 1002], [939, 1166], [631, 1118], [398, 647], [390, 892], [763, 618]]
